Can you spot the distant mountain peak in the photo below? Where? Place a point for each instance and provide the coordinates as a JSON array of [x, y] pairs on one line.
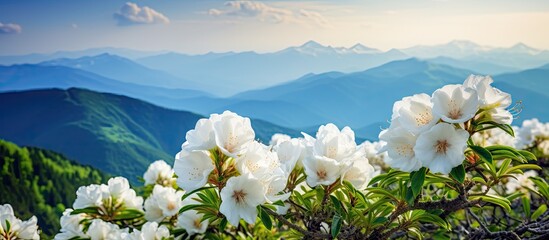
[[312, 44], [463, 43], [359, 48], [523, 48]]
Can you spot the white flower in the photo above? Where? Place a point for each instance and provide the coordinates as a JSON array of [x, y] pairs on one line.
[[530, 131], [259, 162], [282, 210], [521, 182], [232, 132], [164, 202], [118, 187], [321, 170], [400, 148], [544, 147], [159, 172], [375, 157], [499, 115], [329, 155], [119, 190], [89, 196], [70, 226], [28, 229], [274, 186], [240, 198], [334, 144], [149, 231], [415, 113], [17, 229], [278, 138], [441, 148], [489, 97], [360, 172], [397, 106], [291, 153], [494, 136], [131, 200], [100, 230], [264, 165], [192, 169], [455, 103], [202, 137], [191, 221]]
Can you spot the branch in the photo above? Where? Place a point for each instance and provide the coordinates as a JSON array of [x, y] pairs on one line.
[[313, 235]]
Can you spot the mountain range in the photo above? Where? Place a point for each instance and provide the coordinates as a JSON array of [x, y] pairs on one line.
[[267, 69], [33, 76], [41, 57], [225, 74], [361, 99], [116, 134], [125, 70]]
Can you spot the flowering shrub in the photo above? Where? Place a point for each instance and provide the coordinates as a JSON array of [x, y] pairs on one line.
[[448, 166]]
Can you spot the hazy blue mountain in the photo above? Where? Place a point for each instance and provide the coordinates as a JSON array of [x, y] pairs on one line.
[[236, 72], [454, 49], [40, 57], [486, 68], [123, 69], [363, 100], [117, 134], [29, 76], [518, 56], [535, 80]]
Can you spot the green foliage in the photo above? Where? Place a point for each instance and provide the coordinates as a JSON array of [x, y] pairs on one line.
[[41, 183]]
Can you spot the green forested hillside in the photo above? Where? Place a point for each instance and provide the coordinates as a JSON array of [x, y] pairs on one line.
[[42, 183], [116, 134]]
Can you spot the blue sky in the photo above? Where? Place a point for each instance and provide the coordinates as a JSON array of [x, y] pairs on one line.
[[202, 26]]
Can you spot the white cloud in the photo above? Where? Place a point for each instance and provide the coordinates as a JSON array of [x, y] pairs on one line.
[[131, 13], [314, 16], [267, 13], [10, 28]]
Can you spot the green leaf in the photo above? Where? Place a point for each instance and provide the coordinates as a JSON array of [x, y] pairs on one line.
[[379, 220], [502, 152], [538, 212], [336, 225], [409, 196], [223, 224], [417, 179], [428, 217], [337, 204], [88, 210], [196, 190], [127, 214], [381, 191], [265, 218], [526, 206], [458, 173], [189, 207], [505, 127], [498, 200], [484, 154], [528, 155]]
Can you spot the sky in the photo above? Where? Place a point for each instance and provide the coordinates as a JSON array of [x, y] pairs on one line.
[[200, 26]]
